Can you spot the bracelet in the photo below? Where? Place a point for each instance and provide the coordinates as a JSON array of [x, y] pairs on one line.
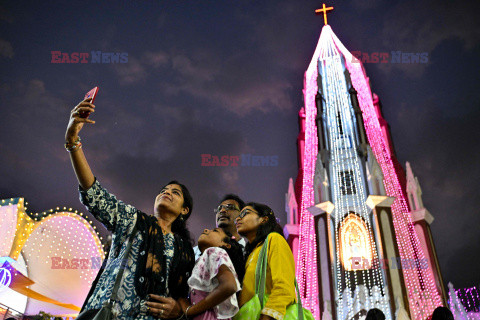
[[181, 317], [75, 145], [186, 311]]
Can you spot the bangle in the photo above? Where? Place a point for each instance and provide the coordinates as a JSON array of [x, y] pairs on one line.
[[186, 311], [73, 146], [181, 317]]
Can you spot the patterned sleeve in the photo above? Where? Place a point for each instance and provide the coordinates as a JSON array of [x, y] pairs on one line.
[[204, 278], [114, 214], [282, 268]]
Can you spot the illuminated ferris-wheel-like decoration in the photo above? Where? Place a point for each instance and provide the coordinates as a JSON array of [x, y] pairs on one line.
[[40, 255]]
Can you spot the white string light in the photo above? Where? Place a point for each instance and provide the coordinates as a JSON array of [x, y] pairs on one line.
[[421, 288]]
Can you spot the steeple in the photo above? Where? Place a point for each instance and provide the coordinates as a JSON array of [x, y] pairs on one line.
[[352, 206]]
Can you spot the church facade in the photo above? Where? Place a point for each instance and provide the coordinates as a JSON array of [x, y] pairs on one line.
[[356, 221]]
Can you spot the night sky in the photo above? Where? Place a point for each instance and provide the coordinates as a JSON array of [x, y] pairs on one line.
[[225, 78]]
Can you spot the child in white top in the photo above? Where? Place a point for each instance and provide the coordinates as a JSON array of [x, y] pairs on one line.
[[215, 277]]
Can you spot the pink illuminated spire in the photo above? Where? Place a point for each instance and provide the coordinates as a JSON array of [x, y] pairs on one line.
[[423, 296]]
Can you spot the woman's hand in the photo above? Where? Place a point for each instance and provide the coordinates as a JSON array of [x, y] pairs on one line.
[[80, 165], [76, 122], [163, 307], [265, 317]]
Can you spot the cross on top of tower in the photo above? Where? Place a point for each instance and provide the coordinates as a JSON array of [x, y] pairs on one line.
[[324, 10]]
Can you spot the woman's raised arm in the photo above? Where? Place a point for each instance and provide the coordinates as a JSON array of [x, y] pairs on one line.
[[73, 145]]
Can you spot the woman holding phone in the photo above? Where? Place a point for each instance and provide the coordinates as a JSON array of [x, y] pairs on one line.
[[161, 257]]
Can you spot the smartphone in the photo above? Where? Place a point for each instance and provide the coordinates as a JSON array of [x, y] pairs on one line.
[[90, 94]]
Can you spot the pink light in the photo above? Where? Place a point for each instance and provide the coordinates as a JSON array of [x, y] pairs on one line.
[[470, 298], [422, 300], [307, 275], [407, 239]]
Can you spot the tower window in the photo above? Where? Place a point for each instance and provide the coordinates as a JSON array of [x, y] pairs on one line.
[[339, 122], [347, 184]]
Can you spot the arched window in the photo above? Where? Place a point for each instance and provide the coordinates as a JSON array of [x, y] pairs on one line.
[[355, 248]]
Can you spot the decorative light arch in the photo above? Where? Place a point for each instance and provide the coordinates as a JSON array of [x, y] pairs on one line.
[[50, 245]]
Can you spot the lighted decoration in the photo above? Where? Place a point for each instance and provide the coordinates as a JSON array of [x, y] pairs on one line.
[[329, 59], [464, 303], [470, 298], [420, 281], [52, 243], [355, 250], [306, 267], [423, 295], [354, 290], [456, 305]]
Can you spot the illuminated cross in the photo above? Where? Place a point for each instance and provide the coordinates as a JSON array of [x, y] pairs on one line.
[[324, 10]]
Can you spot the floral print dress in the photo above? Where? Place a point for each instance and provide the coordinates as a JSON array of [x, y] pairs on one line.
[[119, 218], [203, 281]]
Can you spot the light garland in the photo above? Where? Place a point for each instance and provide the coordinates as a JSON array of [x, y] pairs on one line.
[[60, 231], [470, 298], [456, 304], [306, 269], [420, 283], [344, 159], [423, 294]]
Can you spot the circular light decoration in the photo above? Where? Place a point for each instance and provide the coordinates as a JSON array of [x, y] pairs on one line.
[[63, 254]]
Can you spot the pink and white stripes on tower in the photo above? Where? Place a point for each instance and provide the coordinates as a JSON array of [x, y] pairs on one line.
[[423, 296]]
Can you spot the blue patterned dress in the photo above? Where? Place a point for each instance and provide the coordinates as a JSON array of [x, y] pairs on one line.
[[119, 218]]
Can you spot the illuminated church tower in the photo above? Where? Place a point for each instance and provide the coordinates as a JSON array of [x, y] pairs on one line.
[[355, 242]]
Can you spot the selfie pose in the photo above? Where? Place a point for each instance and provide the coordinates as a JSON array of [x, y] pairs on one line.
[[151, 256]]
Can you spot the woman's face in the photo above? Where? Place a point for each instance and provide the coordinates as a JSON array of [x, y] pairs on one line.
[[248, 222], [212, 238], [170, 199]]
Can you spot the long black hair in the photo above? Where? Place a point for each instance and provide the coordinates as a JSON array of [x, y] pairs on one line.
[[265, 228], [179, 225], [235, 252]]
